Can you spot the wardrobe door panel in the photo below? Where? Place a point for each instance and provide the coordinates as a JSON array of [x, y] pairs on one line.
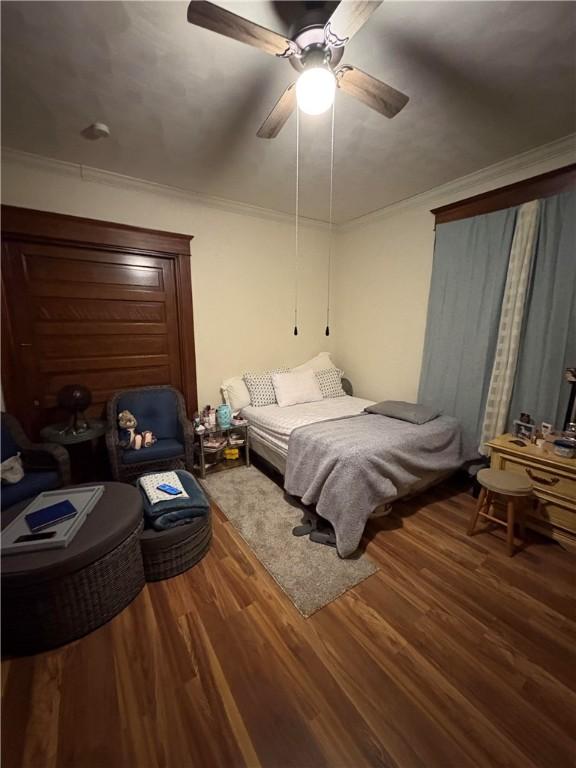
[[105, 318]]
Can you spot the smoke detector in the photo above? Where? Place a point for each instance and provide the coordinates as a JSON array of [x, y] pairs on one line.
[[96, 131]]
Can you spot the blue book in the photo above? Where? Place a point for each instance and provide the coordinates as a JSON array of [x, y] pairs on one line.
[[51, 515]]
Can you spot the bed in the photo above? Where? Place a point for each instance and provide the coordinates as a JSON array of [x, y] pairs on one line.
[[349, 463], [271, 426]]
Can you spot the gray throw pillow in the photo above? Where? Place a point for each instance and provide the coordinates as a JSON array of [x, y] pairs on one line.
[[397, 409], [330, 381]]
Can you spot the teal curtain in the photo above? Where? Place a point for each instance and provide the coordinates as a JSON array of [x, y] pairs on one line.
[[467, 286], [548, 344]]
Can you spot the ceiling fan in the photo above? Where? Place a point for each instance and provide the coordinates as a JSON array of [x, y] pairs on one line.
[[315, 50]]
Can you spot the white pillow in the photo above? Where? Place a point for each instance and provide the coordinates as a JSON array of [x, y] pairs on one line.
[[293, 388], [235, 393], [318, 363]]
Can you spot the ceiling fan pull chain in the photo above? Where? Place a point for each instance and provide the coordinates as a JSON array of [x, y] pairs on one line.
[[327, 332], [296, 227]]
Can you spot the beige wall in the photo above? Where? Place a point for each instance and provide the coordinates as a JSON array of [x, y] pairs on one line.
[[242, 266], [242, 270], [382, 280]]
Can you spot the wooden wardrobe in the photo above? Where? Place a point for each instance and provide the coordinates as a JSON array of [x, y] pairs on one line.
[[93, 303]]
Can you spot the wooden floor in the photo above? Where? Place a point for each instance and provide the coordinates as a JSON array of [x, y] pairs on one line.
[[451, 655]]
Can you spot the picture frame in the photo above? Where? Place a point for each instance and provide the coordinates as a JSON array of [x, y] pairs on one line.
[[546, 428], [523, 430]]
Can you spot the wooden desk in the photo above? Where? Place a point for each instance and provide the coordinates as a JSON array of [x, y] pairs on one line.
[[554, 480]]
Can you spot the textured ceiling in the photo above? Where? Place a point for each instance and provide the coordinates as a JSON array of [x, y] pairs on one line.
[[486, 81]]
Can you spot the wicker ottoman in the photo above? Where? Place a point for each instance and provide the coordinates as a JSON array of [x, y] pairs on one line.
[[169, 552], [51, 597]]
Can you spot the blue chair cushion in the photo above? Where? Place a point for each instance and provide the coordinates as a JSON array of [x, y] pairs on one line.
[[8, 447], [163, 449], [31, 485], [156, 411]]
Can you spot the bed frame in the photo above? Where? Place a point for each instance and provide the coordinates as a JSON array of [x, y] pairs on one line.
[[276, 459]]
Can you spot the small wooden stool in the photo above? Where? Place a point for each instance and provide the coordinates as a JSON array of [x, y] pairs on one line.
[[511, 486]]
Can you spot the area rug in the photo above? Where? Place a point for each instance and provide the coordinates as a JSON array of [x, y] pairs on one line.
[[312, 575]]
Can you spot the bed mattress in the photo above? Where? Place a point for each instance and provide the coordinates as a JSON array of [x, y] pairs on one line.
[[273, 425]]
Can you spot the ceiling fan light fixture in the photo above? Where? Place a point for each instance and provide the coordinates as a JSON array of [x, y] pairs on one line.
[[315, 90]]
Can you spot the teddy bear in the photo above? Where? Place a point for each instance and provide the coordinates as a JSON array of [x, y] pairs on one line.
[[129, 438]]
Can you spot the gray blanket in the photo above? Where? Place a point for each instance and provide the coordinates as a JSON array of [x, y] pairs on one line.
[[348, 467]]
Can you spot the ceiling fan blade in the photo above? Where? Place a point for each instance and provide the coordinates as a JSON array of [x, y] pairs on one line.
[[372, 92], [282, 110], [347, 19], [217, 19]]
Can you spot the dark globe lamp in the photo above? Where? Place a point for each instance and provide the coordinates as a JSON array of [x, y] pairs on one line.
[[75, 398]]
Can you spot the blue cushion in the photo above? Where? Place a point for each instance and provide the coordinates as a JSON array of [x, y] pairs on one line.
[[31, 485], [163, 449], [156, 411], [9, 446]]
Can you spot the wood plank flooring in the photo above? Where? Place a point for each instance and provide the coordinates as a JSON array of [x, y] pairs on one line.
[[452, 655]]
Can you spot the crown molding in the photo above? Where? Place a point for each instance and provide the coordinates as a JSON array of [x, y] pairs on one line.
[[557, 153], [110, 178]]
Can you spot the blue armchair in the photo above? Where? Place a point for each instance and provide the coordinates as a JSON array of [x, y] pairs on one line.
[[46, 465], [160, 410]]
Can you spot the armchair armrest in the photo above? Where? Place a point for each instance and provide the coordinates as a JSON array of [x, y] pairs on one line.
[[187, 432], [113, 445], [187, 428], [39, 456], [111, 436]]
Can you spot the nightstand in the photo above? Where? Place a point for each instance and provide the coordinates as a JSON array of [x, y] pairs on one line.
[[212, 459]]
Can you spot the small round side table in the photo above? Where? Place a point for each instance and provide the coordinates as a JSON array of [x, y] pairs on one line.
[[63, 435]]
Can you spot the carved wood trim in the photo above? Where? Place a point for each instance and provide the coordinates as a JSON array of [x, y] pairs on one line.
[[31, 225], [545, 185]]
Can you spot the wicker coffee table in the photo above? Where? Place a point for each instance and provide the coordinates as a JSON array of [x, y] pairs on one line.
[[51, 597]]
